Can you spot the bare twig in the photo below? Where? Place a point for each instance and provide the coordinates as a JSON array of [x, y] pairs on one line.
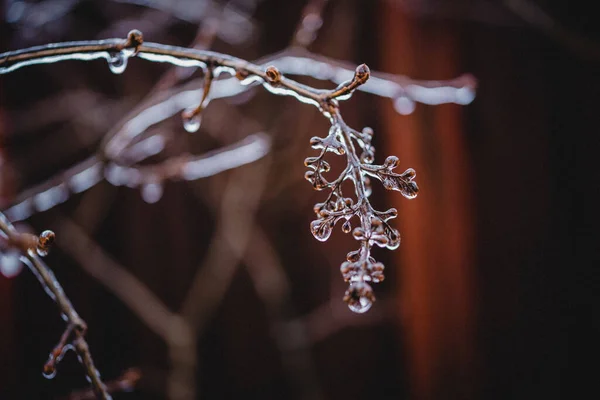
[[124, 285]]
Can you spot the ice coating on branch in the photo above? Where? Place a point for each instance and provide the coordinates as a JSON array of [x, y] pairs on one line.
[[117, 62], [367, 225]]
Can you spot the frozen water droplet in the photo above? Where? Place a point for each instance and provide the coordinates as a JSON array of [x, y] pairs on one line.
[[321, 228], [192, 124], [42, 252], [404, 105], [359, 296], [117, 62], [152, 192], [361, 305], [347, 227]]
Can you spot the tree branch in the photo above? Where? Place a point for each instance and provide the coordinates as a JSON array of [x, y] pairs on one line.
[[29, 246], [374, 228]]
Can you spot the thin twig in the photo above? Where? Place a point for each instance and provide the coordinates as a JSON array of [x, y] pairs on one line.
[[75, 324], [164, 104]]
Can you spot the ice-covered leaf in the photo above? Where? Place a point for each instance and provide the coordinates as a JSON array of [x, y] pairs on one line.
[[403, 183]]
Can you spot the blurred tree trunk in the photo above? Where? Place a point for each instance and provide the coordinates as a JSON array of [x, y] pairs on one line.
[[436, 258]]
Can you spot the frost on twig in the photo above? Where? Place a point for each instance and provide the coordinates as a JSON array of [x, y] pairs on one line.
[[373, 226]]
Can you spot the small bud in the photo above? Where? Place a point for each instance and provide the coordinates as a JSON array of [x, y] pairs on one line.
[[362, 73], [273, 75], [135, 39], [45, 241]]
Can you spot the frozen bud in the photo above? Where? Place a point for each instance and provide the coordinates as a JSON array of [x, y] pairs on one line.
[[45, 241], [362, 73], [135, 40], [273, 75]]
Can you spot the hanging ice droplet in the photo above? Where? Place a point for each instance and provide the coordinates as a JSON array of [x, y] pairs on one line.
[[362, 305], [117, 62], [152, 192], [359, 297], [192, 123], [404, 105], [321, 228], [347, 227]]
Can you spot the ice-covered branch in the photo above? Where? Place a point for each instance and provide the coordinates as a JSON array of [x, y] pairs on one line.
[[31, 247], [361, 268], [294, 61], [124, 142]]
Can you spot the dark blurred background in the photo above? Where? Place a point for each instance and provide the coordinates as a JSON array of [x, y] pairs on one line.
[[481, 298]]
